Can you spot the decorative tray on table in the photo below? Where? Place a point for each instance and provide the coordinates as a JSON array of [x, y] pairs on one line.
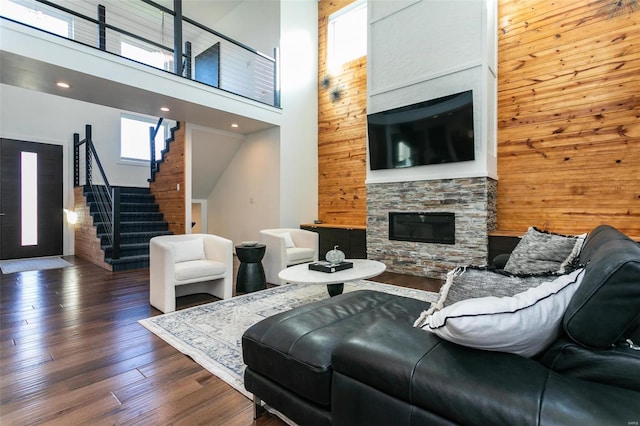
[[324, 266]]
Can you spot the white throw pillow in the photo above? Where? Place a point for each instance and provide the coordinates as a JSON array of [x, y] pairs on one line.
[[288, 241], [185, 251], [522, 324]]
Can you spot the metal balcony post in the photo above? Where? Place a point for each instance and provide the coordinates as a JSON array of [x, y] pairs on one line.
[[187, 53], [102, 28], [276, 78], [177, 37]]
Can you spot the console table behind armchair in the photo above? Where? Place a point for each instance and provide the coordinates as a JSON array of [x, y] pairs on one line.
[[351, 239]]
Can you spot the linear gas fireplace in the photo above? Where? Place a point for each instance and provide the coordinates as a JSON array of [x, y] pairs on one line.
[[423, 227]]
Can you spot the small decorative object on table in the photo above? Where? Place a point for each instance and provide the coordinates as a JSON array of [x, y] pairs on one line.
[[335, 262], [335, 256]]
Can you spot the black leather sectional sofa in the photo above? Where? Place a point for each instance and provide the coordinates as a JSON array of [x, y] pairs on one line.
[[356, 359]]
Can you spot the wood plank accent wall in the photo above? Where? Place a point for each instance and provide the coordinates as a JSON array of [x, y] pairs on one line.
[[342, 134], [568, 116], [164, 188], [86, 241]]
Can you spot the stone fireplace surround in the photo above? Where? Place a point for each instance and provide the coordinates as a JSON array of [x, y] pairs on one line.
[[472, 200]]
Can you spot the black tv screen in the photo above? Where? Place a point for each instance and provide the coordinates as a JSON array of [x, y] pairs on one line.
[[430, 132]]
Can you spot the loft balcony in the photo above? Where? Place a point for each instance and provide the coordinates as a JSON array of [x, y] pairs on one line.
[[156, 36]]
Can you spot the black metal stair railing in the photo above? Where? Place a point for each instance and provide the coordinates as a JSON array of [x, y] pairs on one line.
[[153, 163], [107, 197]]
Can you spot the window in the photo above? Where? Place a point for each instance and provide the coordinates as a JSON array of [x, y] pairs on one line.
[[38, 16], [134, 137], [29, 198], [155, 58], [347, 35]]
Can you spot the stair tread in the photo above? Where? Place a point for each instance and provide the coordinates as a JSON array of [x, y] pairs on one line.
[[143, 189], [140, 233], [127, 259], [126, 246], [123, 203], [140, 222]]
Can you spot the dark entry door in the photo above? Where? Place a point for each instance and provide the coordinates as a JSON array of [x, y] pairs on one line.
[[30, 199]]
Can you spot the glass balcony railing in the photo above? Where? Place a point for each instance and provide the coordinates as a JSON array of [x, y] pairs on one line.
[[149, 33]]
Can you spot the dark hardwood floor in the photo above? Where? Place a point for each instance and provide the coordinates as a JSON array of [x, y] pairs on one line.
[[72, 352]]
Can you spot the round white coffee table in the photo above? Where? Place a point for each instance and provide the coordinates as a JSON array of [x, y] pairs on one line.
[[362, 269]]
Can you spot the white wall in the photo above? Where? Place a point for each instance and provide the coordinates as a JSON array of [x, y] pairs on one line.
[[245, 199], [273, 179], [254, 23], [421, 50], [299, 129], [211, 154], [39, 117]]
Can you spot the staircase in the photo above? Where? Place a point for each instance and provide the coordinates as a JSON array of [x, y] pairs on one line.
[[140, 220]]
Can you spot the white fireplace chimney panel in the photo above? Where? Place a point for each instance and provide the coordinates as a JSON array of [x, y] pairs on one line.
[[429, 49], [423, 39]]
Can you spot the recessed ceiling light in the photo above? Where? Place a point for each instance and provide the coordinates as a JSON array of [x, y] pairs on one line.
[[235, 125], [165, 109], [63, 84]]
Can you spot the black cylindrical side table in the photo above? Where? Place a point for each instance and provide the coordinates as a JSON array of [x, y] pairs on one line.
[[250, 272]]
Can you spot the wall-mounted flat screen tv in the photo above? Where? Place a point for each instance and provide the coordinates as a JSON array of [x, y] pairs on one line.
[[430, 132]]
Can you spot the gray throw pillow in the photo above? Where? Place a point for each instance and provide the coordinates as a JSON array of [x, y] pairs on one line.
[[541, 252], [473, 282]]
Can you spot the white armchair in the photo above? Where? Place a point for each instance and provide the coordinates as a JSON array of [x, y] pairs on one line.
[[189, 264], [286, 247]]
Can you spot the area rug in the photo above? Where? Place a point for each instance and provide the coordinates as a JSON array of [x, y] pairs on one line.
[[211, 334], [32, 264]]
